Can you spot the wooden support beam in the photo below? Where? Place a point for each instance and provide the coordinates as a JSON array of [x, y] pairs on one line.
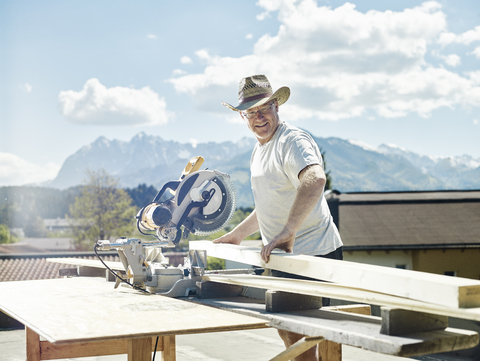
[[426, 287], [37, 350], [68, 272], [396, 321], [332, 351], [277, 301], [358, 309], [169, 348], [298, 348], [87, 271], [32, 342], [139, 349], [329, 351], [50, 351], [215, 289]]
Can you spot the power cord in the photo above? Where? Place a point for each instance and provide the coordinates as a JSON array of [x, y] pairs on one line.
[[115, 274]]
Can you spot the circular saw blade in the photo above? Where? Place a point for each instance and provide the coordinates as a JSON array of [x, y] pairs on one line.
[[220, 209]]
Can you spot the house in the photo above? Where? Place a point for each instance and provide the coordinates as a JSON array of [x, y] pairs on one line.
[[428, 231], [59, 225]]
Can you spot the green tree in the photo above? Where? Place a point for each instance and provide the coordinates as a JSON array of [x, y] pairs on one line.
[[7, 209], [5, 235], [102, 211], [142, 195]]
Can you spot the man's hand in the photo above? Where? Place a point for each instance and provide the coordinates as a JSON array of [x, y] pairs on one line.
[[284, 241], [248, 226], [228, 238]]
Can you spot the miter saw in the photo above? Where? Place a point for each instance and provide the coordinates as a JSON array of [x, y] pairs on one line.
[[200, 202]]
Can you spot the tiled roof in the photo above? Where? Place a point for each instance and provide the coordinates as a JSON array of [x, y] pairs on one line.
[[408, 219], [36, 267], [19, 248]]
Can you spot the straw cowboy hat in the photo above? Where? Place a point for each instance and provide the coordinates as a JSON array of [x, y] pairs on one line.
[[256, 90]]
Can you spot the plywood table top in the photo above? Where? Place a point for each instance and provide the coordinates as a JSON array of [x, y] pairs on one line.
[[86, 309]]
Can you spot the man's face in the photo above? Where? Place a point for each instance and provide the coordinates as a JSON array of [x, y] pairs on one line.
[[263, 121]]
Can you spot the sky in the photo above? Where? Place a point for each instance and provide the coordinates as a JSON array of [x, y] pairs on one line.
[[403, 73]]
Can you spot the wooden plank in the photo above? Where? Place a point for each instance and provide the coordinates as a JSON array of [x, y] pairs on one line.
[[117, 266], [336, 291], [352, 329], [84, 309], [426, 287], [297, 348]]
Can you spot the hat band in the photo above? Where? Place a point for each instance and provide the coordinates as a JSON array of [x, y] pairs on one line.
[[255, 97]]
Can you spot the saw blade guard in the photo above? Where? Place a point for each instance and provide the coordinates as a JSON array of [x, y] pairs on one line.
[[216, 191], [221, 208]]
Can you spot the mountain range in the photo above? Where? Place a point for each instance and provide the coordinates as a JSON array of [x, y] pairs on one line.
[[353, 166]]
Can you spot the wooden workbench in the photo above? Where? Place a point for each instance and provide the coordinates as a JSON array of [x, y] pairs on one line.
[[331, 329], [81, 317]]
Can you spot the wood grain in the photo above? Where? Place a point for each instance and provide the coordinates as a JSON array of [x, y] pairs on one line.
[[85, 309]]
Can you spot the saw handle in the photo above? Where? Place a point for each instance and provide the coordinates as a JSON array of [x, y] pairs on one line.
[[192, 166]]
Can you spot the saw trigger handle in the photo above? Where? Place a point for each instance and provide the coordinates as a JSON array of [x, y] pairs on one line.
[[192, 166]]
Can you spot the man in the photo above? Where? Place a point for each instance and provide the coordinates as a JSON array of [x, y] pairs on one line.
[[287, 182]]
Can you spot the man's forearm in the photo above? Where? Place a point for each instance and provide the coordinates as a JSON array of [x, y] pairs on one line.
[[308, 194], [247, 227]]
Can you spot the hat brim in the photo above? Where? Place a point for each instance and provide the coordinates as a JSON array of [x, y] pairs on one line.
[[281, 95]]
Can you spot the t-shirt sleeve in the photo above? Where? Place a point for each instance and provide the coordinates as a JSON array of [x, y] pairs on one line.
[[302, 151]]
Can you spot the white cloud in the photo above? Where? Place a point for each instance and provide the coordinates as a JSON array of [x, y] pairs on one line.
[[475, 121], [98, 105], [203, 54], [151, 36], [27, 87], [179, 72], [476, 52], [193, 142], [185, 60], [465, 38], [341, 62], [452, 60], [17, 171], [249, 36]]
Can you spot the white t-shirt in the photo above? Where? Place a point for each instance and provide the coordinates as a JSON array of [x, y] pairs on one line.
[[274, 173]]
